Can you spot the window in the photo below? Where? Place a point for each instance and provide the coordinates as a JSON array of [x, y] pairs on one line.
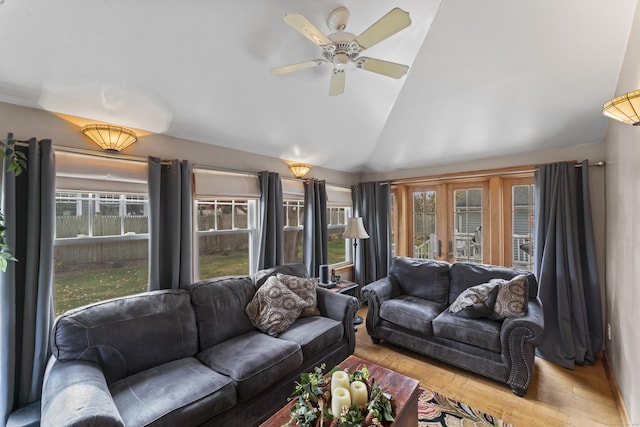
[[101, 247], [519, 242], [338, 247], [226, 230], [467, 224], [225, 223], [424, 224], [293, 230]]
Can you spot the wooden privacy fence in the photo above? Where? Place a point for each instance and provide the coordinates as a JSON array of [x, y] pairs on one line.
[[76, 226]]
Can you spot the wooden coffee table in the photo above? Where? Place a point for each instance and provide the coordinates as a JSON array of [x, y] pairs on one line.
[[403, 389]]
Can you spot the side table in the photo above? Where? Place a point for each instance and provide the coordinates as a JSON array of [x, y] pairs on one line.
[[348, 288]]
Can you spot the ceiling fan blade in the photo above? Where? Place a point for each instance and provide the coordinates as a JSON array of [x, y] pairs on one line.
[[386, 68], [306, 28], [394, 21], [299, 66], [336, 87]]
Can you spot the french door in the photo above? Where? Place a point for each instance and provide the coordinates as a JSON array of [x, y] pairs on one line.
[[449, 221]]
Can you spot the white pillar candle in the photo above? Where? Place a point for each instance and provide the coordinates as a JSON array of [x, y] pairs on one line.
[[340, 397], [358, 391], [339, 379]]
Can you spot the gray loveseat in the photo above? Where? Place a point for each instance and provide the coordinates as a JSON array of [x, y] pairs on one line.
[[410, 308], [186, 357]]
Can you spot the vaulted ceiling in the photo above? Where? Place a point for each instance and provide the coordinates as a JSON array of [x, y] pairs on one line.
[[486, 77]]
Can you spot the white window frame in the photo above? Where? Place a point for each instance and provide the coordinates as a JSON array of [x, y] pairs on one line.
[[93, 201], [251, 230], [348, 243]]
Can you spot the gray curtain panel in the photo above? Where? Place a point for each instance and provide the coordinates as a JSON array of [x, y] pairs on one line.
[[271, 220], [373, 255], [315, 251], [26, 301], [565, 264], [170, 220]]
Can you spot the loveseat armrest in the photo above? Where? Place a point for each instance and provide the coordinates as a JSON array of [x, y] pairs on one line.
[[383, 289], [518, 337], [375, 293], [76, 394], [342, 308]]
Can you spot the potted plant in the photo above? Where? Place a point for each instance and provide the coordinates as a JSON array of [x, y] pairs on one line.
[[16, 161]]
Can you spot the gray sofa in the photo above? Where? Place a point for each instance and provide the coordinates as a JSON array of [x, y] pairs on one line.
[[186, 357], [410, 308]]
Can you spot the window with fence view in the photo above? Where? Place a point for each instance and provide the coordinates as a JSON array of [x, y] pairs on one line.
[[338, 247], [226, 231], [101, 248]]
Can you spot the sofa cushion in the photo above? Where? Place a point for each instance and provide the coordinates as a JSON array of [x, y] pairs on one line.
[[476, 301], [415, 314], [274, 307], [182, 392], [254, 361], [511, 300], [160, 327], [482, 332], [314, 334], [422, 278], [219, 305], [305, 289]]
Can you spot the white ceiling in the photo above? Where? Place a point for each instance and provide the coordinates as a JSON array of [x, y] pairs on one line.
[[486, 77]]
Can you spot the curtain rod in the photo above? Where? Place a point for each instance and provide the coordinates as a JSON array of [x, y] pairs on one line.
[[126, 157], [93, 153], [219, 169], [480, 175]]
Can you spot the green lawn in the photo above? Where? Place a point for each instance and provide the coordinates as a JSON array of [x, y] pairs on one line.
[[78, 288]]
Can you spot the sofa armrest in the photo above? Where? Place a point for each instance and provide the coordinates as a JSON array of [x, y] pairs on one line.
[[76, 393], [519, 336], [342, 308]]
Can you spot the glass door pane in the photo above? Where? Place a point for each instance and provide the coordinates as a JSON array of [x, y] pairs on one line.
[[522, 226], [425, 239], [467, 225]]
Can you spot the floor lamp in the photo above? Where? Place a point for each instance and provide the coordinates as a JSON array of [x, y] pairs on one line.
[[355, 230]]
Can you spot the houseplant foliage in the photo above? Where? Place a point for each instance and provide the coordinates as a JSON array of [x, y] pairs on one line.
[[313, 402], [15, 161]]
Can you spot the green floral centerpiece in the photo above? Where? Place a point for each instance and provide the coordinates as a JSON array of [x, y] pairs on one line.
[[313, 401]]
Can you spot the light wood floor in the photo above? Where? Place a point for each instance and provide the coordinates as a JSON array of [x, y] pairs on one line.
[[556, 397]]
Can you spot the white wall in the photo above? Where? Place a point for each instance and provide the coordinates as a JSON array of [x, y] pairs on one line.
[[622, 150], [26, 123]]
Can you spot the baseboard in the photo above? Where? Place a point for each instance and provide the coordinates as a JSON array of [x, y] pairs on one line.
[[626, 420]]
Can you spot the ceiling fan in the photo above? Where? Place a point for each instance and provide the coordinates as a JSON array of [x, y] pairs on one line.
[[341, 47]]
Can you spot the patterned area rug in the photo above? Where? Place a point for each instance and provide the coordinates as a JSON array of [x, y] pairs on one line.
[[436, 410]]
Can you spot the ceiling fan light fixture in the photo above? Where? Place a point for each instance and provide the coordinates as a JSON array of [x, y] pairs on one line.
[[299, 169], [624, 108], [342, 47], [110, 137]]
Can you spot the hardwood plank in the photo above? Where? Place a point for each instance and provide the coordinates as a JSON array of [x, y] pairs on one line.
[[557, 396]]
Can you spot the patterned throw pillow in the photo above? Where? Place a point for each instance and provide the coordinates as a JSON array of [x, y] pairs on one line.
[[476, 301], [512, 297], [274, 307], [305, 289]]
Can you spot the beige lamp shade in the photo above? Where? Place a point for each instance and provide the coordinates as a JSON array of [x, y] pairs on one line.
[[625, 108], [355, 229], [299, 169], [109, 137]]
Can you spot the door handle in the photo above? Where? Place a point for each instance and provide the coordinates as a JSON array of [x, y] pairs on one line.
[[450, 249], [439, 248]]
